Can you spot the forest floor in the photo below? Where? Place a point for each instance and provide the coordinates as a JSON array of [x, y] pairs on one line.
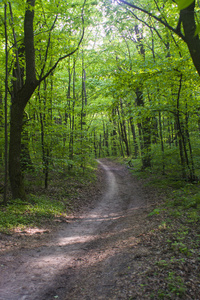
[[114, 248]]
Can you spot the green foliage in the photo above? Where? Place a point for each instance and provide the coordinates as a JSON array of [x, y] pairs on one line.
[[175, 287], [156, 211], [32, 213], [67, 128], [176, 284], [184, 3]]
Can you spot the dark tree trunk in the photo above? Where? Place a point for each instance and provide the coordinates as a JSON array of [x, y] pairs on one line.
[[106, 143], [162, 143], [15, 172], [187, 17], [114, 134], [2, 122], [144, 132], [5, 110], [16, 122], [95, 145], [179, 131], [20, 98], [114, 144], [192, 173], [26, 162], [134, 137], [100, 148], [123, 128], [120, 141], [72, 117]]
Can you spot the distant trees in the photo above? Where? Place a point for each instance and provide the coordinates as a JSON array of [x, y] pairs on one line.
[[129, 88]]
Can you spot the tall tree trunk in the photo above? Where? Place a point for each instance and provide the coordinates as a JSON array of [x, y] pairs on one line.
[[5, 109], [179, 131], [20, 97], [95, 144], [15, 172], [100, 148], [162, 143], [26, 163], [123, 128], [144, 132], [72, 118], [114, 133], [135, 144], [192, 173], [187, 17]]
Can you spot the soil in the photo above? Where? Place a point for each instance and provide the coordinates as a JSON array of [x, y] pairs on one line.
[[108, 250]]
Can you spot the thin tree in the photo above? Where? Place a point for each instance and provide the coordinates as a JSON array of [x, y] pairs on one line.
[[5, 108]]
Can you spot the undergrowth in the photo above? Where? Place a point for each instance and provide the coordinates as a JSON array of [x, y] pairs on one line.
[[44, 205], [31, 213], [174, 273]]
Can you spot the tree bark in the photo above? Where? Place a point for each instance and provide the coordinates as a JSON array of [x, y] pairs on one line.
[[5, 109], [20, 98], [187, 17], [16, 121], [136, 150]]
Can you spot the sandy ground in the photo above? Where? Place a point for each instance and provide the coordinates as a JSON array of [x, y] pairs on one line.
[[83, 259]]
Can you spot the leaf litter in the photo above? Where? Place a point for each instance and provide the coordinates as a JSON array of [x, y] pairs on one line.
[[112, 249]]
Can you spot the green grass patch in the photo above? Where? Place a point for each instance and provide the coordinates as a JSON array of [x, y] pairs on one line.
[[32, 213], [43, 205]]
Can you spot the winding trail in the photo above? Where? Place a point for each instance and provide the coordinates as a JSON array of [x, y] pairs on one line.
[[83, 258]]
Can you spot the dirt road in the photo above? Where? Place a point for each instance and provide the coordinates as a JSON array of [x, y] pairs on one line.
[[86, 257]]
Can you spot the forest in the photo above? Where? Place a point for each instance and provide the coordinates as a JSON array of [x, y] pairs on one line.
[[115, 81], [88, 80]]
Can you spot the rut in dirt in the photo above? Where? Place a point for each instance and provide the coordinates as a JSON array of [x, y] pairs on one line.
[[79, 249]]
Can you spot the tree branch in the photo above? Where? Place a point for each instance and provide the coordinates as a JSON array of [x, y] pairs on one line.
[[154, 17], [69, 54], [48, 45]]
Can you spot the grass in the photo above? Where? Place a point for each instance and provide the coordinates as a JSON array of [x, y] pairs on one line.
[[34, 212], [43, 206]]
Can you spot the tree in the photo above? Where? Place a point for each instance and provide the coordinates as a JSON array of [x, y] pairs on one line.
[[22, 92], [187, 19]]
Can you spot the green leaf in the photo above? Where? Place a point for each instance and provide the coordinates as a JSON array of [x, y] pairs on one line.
[[182, 4], [197, 29]]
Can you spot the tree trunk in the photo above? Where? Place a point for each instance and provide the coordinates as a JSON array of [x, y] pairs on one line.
[[136, 150], [20, 98], [15, 172], [144, 133], [187, 17], [26, 162], [95, 145], [162, 143], [5, 110]]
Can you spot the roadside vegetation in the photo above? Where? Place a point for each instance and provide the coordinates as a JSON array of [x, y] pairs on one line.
[[172, 271], [66, 194]]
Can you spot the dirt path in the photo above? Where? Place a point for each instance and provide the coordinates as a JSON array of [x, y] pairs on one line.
[[85, 258]]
